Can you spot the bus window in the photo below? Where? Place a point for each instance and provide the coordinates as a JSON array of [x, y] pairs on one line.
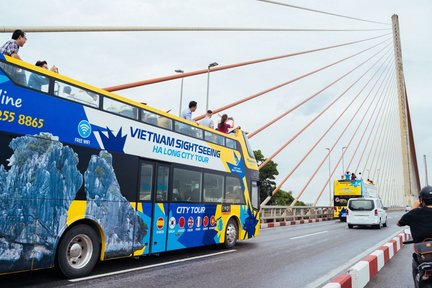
[[214, 138], [249, 148], [255, 195], [26, 78], [213, 188], [76, 94], [146, 182], [162, 184], [234, 192], [230, 143], [155, 119], [186, 185], [188, 130], [120, 108]]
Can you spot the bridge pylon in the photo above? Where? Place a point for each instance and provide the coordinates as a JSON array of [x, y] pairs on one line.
[[411, 181]]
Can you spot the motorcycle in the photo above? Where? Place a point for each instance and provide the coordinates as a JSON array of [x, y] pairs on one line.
[[422, 263]]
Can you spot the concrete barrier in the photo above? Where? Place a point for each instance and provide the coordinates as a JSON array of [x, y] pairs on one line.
[[362, 272], [289, 223]]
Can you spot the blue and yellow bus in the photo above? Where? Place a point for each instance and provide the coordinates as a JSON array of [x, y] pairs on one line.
[[86, 175], [344, 190]]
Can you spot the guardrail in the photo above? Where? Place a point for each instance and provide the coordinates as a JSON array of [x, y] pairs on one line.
[[287, 213]]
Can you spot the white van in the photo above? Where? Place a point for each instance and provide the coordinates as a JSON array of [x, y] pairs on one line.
[[366, 211]]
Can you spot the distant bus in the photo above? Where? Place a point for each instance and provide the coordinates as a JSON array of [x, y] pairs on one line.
[[86, 175], [343, 191]]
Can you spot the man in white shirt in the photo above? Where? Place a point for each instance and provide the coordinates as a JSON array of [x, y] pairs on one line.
[[187, 113], [207, 121]]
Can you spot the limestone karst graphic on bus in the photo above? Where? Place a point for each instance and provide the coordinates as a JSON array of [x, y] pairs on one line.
[[37, 189]]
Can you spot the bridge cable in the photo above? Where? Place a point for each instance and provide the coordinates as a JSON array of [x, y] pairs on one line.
[[349, 143], [337, 119], [289, 82], [67, 29], [323, 12], [370, 120], [316, 117], [268, 124], [375, 141], [218, 68], [367, 143]]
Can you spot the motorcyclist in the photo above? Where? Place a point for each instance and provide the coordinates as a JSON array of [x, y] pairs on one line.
[[419, 221], [419, 218]]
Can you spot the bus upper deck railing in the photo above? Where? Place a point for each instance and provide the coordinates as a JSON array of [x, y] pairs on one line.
[[288, 213]]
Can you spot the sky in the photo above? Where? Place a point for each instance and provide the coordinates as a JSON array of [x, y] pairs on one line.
[[111, 58]]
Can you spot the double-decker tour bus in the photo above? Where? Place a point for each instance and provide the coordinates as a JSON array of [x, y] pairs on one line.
[[343, 191], [86, 175]]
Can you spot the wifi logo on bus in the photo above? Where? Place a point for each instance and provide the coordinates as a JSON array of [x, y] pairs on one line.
[[84, 129]]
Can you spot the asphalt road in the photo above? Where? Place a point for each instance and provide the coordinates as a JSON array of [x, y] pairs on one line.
[[296, 256]]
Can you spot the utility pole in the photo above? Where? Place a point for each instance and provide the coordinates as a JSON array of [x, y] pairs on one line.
[[426, 172]]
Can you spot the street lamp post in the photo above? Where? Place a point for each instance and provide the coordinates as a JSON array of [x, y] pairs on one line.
[[377, 182], [330, 194], [343, 165], [181, 90], [214, 64]]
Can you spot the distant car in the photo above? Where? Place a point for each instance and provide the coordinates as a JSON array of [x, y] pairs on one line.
[[366, 212], [407, 208]]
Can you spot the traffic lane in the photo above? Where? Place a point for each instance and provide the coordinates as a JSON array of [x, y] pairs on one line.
[[260, 262], [271, 262], [46, 278], [272, 253], [397, 272], [318, 255]]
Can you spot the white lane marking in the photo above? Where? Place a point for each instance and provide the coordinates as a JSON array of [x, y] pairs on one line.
[[343, 268], [149, 266], [307, 235]]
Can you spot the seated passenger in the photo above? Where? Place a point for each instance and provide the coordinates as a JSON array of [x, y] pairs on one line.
[[81, 96], [36, 81]]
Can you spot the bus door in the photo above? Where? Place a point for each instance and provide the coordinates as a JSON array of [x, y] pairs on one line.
[[160, 208]]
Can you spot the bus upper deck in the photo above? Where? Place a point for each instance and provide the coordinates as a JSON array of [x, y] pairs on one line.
[[61, 86]]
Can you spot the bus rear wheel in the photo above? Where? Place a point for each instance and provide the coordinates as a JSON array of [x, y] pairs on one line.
[[231, 234], [78, 251]]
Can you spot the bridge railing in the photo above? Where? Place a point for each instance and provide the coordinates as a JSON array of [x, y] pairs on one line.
[[295, 213]]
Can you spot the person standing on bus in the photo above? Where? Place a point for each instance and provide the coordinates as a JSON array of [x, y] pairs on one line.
[[223, 126], [207, 121], [347, 176], [11, 47], [187, 113]]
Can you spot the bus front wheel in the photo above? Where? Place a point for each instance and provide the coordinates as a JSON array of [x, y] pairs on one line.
[[231, 234], [78, 251]]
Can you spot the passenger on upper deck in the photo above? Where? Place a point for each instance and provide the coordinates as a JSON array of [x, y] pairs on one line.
[[12, 46], [347, 175], [223, 126], [353, 176], [207, 121], [187, 113], [36, 81]]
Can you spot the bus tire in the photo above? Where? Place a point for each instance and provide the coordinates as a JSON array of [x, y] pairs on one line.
[[350, 226], [78, 251], [231, 234]]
